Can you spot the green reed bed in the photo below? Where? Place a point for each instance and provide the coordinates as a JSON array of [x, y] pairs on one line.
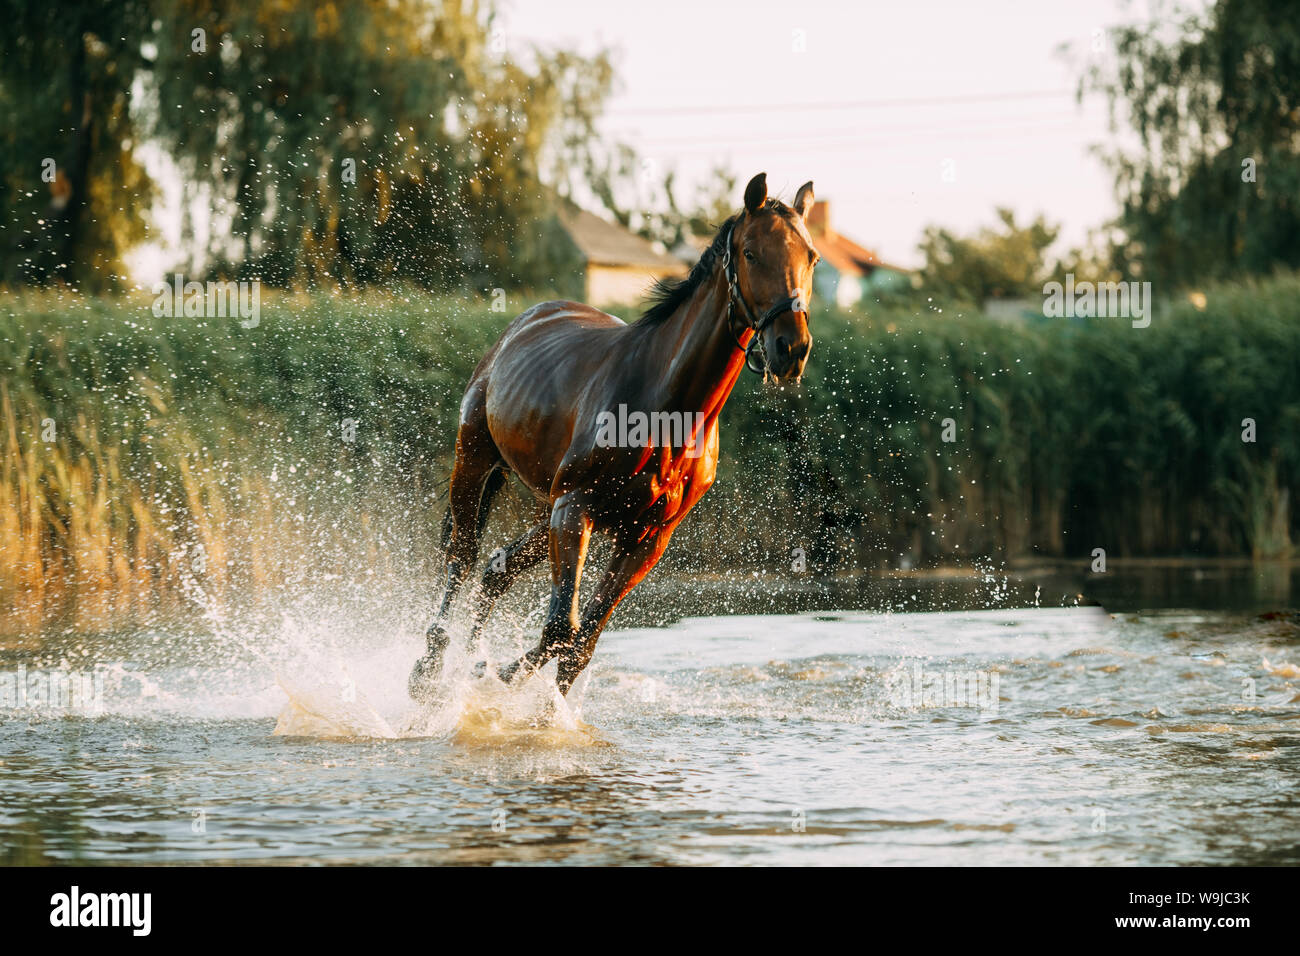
[[155, 465]]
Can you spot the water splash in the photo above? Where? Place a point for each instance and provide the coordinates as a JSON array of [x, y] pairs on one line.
[[470, 711]]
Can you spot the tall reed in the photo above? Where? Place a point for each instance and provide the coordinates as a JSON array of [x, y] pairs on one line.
[[152, 466]]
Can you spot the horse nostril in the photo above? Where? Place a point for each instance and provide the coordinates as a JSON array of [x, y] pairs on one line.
[[782, 345], [799, 352]]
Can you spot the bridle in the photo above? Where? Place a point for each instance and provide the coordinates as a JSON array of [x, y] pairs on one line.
[[760, 323]]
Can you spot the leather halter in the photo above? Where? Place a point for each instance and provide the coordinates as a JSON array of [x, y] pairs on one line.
[[759, 324]]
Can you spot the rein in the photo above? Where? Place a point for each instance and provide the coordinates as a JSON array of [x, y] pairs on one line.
[[758, 323]]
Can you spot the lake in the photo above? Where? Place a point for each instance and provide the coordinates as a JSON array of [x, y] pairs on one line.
[[976, 734]]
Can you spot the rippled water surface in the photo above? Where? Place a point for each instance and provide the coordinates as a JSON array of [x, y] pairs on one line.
[[822, 737]]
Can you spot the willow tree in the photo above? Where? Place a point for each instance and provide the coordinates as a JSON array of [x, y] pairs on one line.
[[359, 142], [314, 141], [72, 194], [1213, 189]]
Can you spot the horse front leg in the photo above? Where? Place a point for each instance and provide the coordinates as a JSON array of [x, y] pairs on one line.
[[631, 562], [570, 534]]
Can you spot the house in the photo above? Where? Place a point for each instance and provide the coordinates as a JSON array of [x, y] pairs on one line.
[[848, 271], [617, 267]]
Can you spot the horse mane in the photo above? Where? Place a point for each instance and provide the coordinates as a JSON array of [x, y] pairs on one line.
[[667, 295]]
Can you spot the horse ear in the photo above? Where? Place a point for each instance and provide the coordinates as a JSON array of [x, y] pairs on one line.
[[756, 193], [803, 199]]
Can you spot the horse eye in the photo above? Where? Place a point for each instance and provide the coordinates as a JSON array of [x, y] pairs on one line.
[[750, 256]]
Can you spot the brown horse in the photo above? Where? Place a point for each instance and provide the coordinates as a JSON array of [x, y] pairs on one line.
[[542, 404]]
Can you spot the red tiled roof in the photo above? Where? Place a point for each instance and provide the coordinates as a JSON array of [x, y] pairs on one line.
[[848, 257]]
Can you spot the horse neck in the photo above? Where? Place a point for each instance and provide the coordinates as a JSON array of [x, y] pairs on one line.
[[696, 348]]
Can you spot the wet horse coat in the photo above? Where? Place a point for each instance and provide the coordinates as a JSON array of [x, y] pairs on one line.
[[536, 403]]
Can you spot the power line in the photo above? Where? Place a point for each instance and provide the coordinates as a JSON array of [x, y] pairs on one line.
[[694, 110], [869, 139], [959, 127]]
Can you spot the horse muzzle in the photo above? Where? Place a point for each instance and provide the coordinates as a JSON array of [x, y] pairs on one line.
[[786, 345]]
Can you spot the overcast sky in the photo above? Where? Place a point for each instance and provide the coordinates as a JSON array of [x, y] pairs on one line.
[[884, 98]]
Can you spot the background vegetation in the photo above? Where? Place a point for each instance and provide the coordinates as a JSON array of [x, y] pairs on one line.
[[148, 460], [316, 143], [1213, 97], [154, 463]]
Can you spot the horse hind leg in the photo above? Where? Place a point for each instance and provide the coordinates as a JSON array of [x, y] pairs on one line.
[[475, 479], [495, 481], [505, 567]]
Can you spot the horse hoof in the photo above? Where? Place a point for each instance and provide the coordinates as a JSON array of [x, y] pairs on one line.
[[424, 675], [436, 639]]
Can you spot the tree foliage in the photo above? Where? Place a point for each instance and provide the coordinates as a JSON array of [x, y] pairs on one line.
[[71, 186], [1213, 189], [1006, 261], [315, 142]]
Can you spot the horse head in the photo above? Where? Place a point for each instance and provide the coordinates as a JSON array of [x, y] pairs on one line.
[[769, 262]]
